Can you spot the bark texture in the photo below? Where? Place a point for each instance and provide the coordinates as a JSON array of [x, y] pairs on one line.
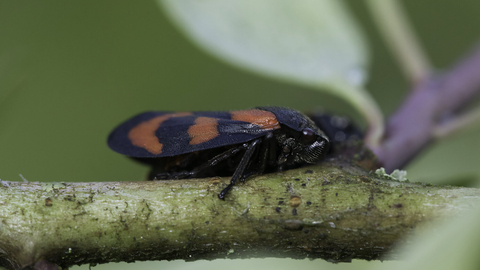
[[336, 211]]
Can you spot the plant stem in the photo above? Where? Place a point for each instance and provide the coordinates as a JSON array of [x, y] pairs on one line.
[[457, 124], [335, 211], [400, 38], [415, 123]]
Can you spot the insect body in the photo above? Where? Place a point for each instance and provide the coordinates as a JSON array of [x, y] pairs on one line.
[[203, 144]]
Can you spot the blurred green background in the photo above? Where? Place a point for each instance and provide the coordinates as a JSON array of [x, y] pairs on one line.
[[70, 71]]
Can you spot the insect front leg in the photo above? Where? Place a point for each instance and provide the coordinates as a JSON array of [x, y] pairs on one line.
[[239, 172], [263, 157]]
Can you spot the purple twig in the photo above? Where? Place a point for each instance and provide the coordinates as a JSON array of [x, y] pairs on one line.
[[430, 104]]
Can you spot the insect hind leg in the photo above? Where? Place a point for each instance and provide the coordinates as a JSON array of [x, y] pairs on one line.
[[199, 169]]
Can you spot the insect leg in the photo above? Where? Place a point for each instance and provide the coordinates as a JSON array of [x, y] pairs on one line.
[[263, 156], [241, 167], [212, 162], [218, 158]]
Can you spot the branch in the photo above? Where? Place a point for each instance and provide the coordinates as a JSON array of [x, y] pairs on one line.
[[416, 122], [335, 211]]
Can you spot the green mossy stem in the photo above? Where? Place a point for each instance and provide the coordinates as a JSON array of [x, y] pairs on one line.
[[336, 211]]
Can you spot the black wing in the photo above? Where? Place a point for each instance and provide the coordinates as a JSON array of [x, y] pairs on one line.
[[164, 134]]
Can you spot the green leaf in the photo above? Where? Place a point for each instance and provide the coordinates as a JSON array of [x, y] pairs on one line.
[[310, 42], [452, 245], [306, 40]]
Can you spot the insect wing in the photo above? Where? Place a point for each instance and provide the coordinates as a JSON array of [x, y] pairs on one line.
[[163, 134]]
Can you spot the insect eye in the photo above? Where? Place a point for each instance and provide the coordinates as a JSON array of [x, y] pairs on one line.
[[308, 136]]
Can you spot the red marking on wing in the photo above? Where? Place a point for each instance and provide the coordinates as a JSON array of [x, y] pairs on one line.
[[204, 129], [264, 119], [143, 135]]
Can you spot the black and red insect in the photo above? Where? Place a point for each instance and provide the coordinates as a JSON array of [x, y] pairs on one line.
[[240, 144]]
